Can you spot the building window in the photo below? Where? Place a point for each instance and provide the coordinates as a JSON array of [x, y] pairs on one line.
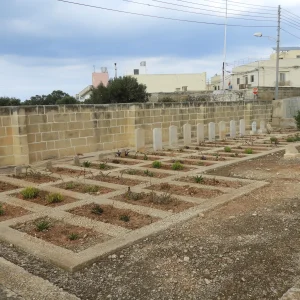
[[215, 88], [218, 87], [177, 89], [282, 77], [238, 81], [246, 79], [252, 78]]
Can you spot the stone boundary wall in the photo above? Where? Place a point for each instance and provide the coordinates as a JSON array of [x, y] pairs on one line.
[[34, 133]]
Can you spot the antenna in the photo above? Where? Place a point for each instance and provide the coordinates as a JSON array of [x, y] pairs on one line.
[[94, 68], [116, 71]]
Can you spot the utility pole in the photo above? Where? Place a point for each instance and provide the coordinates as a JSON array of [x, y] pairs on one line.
[[116, 71], [277, 58]]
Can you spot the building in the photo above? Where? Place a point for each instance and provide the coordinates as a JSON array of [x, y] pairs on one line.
[[263, 73], [170, 83], [97, 78]]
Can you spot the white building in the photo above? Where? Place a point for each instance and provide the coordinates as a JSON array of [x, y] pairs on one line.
[[263, 73], [170, 83]]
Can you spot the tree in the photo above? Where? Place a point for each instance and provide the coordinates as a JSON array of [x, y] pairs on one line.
[[67, 100], [7, 101], [56, 97], [119, 90]]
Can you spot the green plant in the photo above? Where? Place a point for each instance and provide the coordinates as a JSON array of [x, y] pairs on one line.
[[131, 172], [70, 185], [86, 164], [297, 137], [42, 225], [290, 139], [134, 196], [97, 210], [249, 151], [164, 198], [199, 179], [145, 157], [91, 188], [274, 140], [227, 149], [102, 166], [125, 218], [73, 236], [55, 198], [148, 173], [1, 210], [156, 164], [297, 119], [177, 166], [30, 193]]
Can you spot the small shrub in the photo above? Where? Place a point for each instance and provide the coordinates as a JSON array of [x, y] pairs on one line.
[[199, 179], [145, 157], [134, 196], [1, 210], [181, 150], [30, 193], [125, 218], [97, 210], [297, 119], [131, 172], [197, 148], [200, 163], [70, 185], [227, 149], [165, 186], [249, 151], [274, 140], [73, 236], [91, 189], [115, 161], [297, 137], [86, 164], [55, 198], [102, 166], [148, 173], [166, 99], [164, 198], [290, 139], [42, 225], [187, 147], [156, 164], [177, 166]]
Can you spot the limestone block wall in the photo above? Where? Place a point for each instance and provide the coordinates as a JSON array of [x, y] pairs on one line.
[[35, 133]]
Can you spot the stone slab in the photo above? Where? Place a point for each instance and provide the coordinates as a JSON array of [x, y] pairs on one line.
[[200, 133], [157, 139], [187, 134]]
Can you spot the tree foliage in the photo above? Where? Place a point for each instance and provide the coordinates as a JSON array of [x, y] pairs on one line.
[[119, 90], [7, 101]]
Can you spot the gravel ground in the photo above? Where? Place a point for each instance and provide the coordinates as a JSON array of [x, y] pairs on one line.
[[6, 294], [246, 249]]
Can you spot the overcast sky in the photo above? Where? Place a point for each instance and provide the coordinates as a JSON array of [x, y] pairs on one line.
[[48, 45]]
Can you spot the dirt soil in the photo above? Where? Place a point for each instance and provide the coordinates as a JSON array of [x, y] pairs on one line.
[[7, 187], [42, 200], [146, 173], [118, 180], [123, 161], [71, 172], [85, 188], [146, 199], [245, 250], [192, 162], [11, 212], [214, 182], [165, 166], [186, 190], [112, 215], [59, 234], [43, 178]]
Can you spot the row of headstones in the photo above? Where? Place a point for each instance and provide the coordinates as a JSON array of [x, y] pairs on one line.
[[187, 134]]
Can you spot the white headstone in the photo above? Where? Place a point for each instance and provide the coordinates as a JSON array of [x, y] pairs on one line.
[[222, 130], [253, 127], [139, 139], [232, 129], [157, 139], [291, 152], [200, 133], [173, 136], [269, 128], [211, 131], [262, 126], [187, 134], [242, 127]]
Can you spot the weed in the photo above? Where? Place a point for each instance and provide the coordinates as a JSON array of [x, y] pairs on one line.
[[186, 147], [73, 236], [148, 173], [1, 210], [42, 225], [86, 164], [97, 210], [232, 155], [145, 157], [177, 166], [115, 161], [102, 166], [156, 164], [165, 186], [90, 188], [227, 149], [297, 119], [131, 172], [200, 163], [30, 193], [134, 196], [290, 139], [198, 179], [55, 198], [124, 218], [274, 140], [70, 185], [236, 154], [197, 148], [249, 151], [181, 150], [164, 198]]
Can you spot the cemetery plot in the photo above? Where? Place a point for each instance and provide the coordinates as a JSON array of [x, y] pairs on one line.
[[190, 162], [146, 173], [110, 214], [211, 157], [119, 179], [176, 166], [42, 197], [65, 235], [35, 177], [84, 188], [71, 172], [9, 211], [123, 161], [186, 190], [4, 186]]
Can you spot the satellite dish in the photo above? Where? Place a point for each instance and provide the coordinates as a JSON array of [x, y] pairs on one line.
[[104, 70]]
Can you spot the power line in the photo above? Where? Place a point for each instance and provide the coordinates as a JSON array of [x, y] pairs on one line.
[[290, 21], [290, 33], [158, 17], [290, 13], [192, 12], [249, 4], [216, 11], [289, 24]]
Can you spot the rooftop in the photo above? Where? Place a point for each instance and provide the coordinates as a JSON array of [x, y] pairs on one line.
[[287, 48]]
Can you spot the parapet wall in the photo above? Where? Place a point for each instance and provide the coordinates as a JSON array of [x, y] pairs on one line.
[[35, 133]]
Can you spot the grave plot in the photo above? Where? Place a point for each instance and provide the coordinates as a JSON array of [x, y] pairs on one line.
[[4, 186], [146, 173], [72, 172], [123, 161], [84, 188], [117, 179], [189, 162], [35, 177], [8, 211], [176, 166]]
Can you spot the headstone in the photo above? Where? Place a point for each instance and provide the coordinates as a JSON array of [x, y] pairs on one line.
[[76, 161], [49, 166], [253, 127], [211, 132], [139, 139], [232, 129], [262, 126], [222, 130], [157, 139], [173, 137], [18, 171], [187, 134], [242, 127], [123, 153], [269, 128], [291, 152], [200, 133]]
